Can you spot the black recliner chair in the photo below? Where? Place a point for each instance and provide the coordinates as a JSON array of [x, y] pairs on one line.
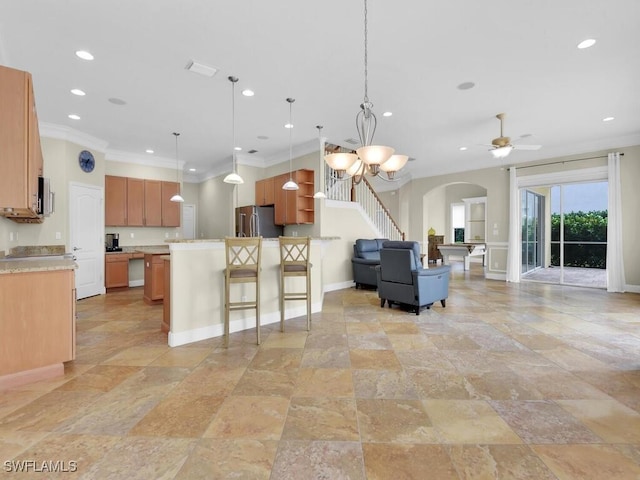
[[366, 257]]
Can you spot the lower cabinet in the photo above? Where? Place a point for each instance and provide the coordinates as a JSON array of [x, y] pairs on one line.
[[38, 325], [153, 279], [116, 270]]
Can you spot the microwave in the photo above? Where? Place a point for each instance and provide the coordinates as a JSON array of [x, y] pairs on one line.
[[45, 197]]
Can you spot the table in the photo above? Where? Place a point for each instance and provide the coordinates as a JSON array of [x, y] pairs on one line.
[[466, 250]]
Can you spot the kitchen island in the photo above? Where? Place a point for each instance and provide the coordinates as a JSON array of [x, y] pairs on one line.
[[197, 289]]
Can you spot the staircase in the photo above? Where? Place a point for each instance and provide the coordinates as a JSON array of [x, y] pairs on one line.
[[346, 190]]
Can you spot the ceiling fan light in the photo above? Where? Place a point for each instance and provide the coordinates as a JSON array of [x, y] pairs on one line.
[[233, 178], [177, 198], [501, 152], [374, 154]]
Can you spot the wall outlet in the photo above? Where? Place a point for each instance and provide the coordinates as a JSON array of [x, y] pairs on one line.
[[58, 235], [244, 298], [166, 235], [495, 265], [177, 234], [11, 236], [131, 235]]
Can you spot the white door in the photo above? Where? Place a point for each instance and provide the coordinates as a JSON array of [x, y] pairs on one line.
[[188, 221], [86, 235]]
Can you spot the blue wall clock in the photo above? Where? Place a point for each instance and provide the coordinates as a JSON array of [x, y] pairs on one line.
[[86, 160]]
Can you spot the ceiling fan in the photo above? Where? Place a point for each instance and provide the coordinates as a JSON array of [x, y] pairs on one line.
[[502, 146]]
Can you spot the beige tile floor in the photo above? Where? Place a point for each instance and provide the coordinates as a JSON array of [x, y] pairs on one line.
[[528, 381]]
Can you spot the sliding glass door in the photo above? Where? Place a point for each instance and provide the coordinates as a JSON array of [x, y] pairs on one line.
[[532, 218]]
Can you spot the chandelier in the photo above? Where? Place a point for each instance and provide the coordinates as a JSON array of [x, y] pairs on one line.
[[369, 158]]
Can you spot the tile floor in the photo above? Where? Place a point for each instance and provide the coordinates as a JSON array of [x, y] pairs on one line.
[[528, 381]]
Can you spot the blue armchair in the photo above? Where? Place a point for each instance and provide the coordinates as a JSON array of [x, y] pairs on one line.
[[366, 257], [402, 280]]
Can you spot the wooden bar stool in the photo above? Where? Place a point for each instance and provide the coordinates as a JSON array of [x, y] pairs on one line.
[[243, 266], [294, 262]]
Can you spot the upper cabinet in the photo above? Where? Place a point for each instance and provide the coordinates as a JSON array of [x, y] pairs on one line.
[[137, 202], [295, 206], [265, 192], [475, 215], [20, 150]]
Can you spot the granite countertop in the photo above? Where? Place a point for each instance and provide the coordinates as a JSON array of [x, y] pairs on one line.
[[149, 249], [36, 265]]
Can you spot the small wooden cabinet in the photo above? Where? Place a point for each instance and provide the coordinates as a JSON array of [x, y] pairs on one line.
[[116, 270], [433, 252], [152, 203], [153, 279], [20, 148], [265, 192]]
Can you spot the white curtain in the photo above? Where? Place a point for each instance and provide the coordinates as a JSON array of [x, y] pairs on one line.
[[513, 255], [615, 263]]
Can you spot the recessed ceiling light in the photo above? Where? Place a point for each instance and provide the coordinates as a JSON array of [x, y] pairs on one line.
[[83, 54], [192, 169], [462, 149], [77, 91], [263, 137], [237, 149], [117, 101], [466, 86], [248, 93], [608, 119], [148, 150], [589, 42], [288, 125], [73, 116], [387, 114]]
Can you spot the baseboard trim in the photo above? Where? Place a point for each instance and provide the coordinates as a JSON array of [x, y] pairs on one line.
[[496, 276], [338, 286], [632, 288], [13, 380], [136, 283], [217, 330]]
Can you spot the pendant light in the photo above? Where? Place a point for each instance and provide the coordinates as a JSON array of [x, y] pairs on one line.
[[290, 184], [320, 193], [177, 197], [233, 177]]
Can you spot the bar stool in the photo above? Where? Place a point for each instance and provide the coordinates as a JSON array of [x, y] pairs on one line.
[[243, 266], [294, 262]]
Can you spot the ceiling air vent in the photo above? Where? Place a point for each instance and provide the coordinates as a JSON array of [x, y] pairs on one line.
[[253, 151], [201, 68], [352, 141]]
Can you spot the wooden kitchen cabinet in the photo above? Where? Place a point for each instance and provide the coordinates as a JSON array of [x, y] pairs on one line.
[[116, 270], [135, 202], [20, 149], [170, 210], [265, 192], [152, 203], [38, 320], [295, 206], [153, 279], [115, 201]]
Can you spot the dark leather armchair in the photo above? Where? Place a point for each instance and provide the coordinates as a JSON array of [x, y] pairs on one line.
[[366, 256], [402, 280]]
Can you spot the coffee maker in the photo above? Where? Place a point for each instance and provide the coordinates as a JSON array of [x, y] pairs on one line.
[[112, 242]]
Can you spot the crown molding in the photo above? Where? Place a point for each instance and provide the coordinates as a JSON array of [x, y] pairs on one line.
[[297, 151], [148, 161], [61, 132]]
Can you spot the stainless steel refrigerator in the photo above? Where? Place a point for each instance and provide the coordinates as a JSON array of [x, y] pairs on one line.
[[255, 221]]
